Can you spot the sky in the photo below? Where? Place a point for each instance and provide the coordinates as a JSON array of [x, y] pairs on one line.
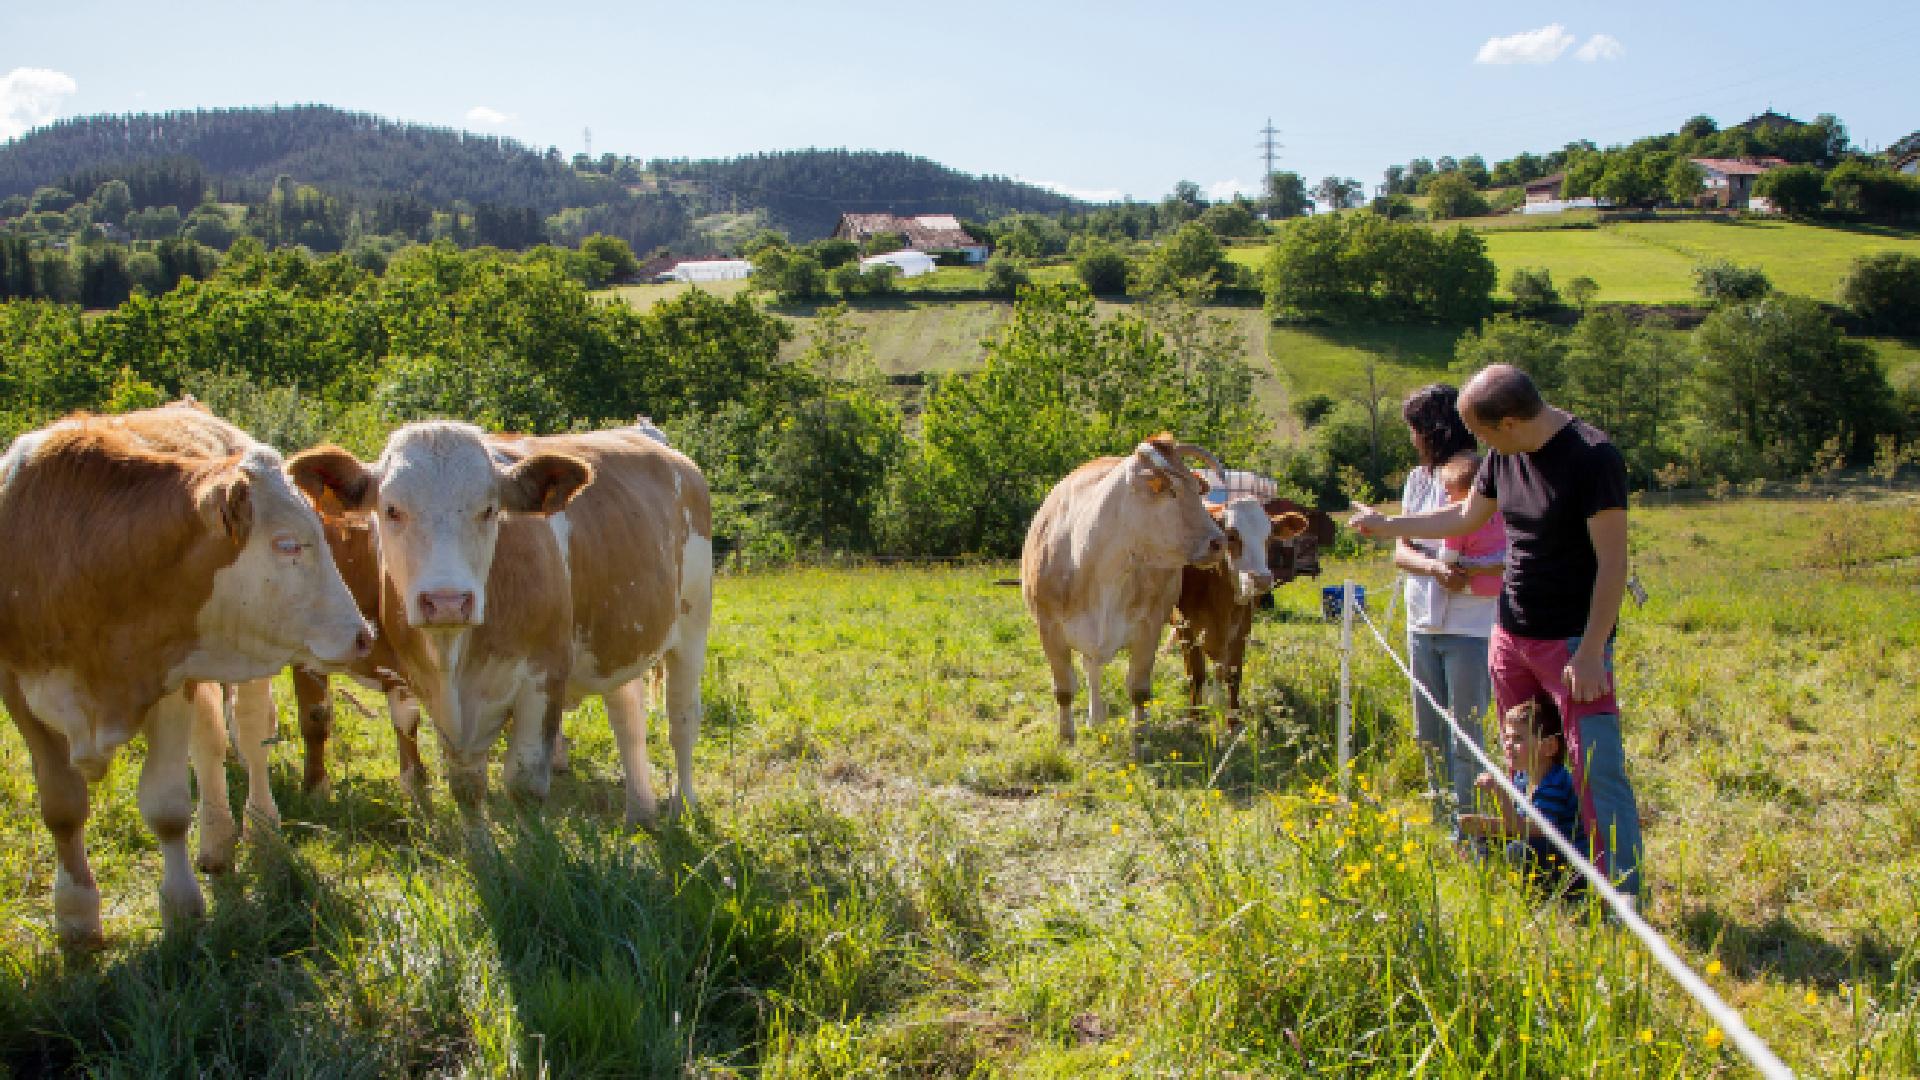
[[1102, 101]]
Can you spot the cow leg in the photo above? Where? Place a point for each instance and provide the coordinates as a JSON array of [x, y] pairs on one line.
[[218, 831], [313, 697], [167, 806], [1140, 657], [255, 723], [1096, 671], [1196, 660], [1060, 662], [684, 665], [562, 751], [404, 710], [627, 715], [536, 720], [1235, 663], [64, 808]]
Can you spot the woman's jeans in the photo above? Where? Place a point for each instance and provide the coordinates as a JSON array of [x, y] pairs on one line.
[[1453, 667]]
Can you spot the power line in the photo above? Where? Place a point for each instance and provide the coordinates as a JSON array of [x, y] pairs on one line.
[[1270, 150]]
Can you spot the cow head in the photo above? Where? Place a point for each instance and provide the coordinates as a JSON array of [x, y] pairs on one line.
[[1174, 528], [1250, 531], [282, 598], [437, 495]]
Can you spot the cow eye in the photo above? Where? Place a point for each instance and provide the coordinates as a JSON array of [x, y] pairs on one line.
[[393, 513], [487, 513], [287, 545]]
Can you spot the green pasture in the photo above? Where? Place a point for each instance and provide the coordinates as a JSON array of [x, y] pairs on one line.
[[900, 871], [1651, 262]]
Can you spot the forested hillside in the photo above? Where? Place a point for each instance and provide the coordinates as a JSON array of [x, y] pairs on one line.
[[383, 177]]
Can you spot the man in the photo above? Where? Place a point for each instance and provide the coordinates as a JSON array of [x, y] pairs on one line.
[[1561, 484]]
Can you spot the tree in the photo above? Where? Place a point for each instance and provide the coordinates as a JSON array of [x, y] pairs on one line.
[[1721, 281], [1699, 127], [1338, 193], [1287, 196], [1795, 190], [1103, 269], [1191, 259], [1535, 348], [1230, 219], [1583, 289], [1474, 168], [1780, 380], [1884, 290], [1006, 277], [1532, 290], [611, 259], [1684, 180], [112, 201], [1450, 195]]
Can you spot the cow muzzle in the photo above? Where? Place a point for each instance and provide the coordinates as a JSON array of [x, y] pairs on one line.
[[344, 650], [1253, 586], [445, 607]]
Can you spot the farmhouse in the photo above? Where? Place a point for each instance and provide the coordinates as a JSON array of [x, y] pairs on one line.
[[1546, 189], [1729, 181], [938, 235]]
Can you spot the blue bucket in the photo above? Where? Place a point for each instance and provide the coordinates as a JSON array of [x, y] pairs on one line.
[[1333, 596]]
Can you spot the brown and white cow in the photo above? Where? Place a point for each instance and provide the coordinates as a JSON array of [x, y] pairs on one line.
[[144, 562], [521, 574], [1101, 566], [1214, 615]]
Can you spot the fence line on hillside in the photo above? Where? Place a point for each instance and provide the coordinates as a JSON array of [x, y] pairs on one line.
[[1756, 1050]]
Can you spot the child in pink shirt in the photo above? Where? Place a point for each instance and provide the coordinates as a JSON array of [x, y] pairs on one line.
[[1483, 552]]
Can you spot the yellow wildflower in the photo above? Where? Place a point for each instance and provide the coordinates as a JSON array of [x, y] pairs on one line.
[[1715, 1037], [1813, 997], [1646, 1036], [1713, 967]]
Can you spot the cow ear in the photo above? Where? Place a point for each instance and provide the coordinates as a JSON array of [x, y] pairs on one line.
[[543, 483], [1288, 525], [227, 503], [334, 479]]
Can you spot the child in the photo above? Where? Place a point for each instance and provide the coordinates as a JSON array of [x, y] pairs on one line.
[[1483, 552], [1536, 754]]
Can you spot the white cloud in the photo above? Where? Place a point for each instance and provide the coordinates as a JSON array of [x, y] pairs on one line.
[[1222, 190], [1097, 195], [30, 97], [481, 114], [1600, 47], [1542, 46]]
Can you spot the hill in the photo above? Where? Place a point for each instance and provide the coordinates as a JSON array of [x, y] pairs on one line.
[[363, 160]]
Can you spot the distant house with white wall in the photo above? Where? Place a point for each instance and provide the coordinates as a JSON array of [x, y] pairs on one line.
[[907, 261], [1546, 189], [935, 234], [1729, 182], [712, 270]]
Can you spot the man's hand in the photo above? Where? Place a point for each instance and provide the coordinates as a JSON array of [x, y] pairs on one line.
[[1586, 676], [1365, 520]]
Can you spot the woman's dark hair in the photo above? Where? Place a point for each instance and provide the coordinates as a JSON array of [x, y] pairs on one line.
[[1433, 413]]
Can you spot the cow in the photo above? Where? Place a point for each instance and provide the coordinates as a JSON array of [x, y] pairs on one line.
[[147, 561], [1298, 556], [519, 574], [1214, 615], [1101, 567]]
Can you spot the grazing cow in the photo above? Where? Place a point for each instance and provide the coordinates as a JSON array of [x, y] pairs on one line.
[[146, 561], [1214, 614], [1298, 556], [1101, 566], [600, 565]]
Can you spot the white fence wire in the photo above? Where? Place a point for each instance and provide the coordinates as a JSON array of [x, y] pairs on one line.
[[1722, 1014]]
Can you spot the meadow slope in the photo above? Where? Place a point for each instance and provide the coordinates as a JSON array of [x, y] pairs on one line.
[[900, 872]]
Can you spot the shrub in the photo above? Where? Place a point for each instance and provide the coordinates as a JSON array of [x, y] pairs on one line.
[[1794, 190], [1884, 290], [1583, 289], [1005, 277], [1532, 290], [1453, 196], [1103, 270], [1721, 281]]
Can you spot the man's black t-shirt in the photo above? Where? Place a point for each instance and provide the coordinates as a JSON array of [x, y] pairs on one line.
[[1547, 496]]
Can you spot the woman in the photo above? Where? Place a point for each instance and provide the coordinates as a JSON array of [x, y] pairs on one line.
[[1447, 625]]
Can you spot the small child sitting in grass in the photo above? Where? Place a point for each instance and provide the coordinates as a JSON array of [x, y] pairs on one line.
[[1536, 754]]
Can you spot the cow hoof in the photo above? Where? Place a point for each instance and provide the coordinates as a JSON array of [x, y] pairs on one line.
[[679, 807], [319, 789], [76, 916], [181, 908], [218, 836], [263, 817], [643, 815]]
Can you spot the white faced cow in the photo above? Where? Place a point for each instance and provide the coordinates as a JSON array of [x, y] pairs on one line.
[[1214, 615], [1101, 566], [521, 574], [146, 553]]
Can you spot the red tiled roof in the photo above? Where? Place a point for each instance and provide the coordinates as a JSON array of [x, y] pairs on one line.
[[1739, 166], [927, 232]]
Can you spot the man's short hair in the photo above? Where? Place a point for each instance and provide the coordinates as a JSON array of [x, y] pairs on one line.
[[1502, 392]]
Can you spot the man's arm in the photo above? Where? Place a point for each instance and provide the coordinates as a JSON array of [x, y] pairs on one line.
[[1586, 675], [1453, 519]]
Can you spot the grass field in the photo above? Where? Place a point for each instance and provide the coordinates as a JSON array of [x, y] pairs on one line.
[[1652, 262], [900, 872]]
